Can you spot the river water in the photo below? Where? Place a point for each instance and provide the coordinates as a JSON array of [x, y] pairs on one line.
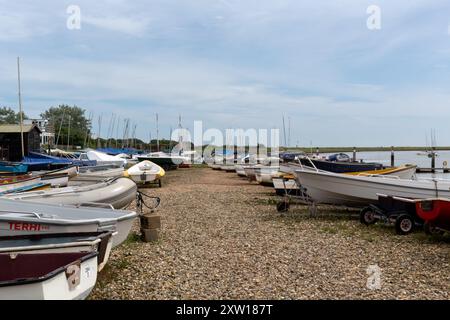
[[408, 157]]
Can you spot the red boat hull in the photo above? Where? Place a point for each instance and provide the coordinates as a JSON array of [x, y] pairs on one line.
[[436, 212]]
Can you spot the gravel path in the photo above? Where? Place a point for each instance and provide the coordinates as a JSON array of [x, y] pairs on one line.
[[222, 238]]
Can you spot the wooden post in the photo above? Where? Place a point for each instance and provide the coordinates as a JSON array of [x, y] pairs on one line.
[[150, 227], [392, 156], [354, 154]]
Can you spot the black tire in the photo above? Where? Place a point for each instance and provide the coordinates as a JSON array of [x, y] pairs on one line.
[[430, 229], [282, 206], [404, 224], [367, 216]]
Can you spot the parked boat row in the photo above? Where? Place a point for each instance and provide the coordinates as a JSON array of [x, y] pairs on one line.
[[337, 180]]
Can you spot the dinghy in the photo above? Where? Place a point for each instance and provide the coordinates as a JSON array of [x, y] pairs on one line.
[[47, 276], [105, 171], [103, 158], [341, 189], [265, 174], [239, 168], [145, 171], [13, 168], [28, 218], [22, 185], [117, 192], [58, 243]]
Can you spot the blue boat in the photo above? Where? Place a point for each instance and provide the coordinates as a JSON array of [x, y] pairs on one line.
[[38, 161], [13, 167]]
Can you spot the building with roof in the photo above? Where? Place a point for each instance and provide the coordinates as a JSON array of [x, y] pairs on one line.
[[10, 141]]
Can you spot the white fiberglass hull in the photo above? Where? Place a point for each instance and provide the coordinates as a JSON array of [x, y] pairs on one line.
[[36, 218], [340, 189], [118, 193], [239, 170]]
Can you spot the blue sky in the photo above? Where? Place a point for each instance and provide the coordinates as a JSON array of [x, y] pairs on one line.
[[238, 64]]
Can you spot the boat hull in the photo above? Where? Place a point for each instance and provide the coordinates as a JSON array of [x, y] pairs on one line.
[[358, 191]]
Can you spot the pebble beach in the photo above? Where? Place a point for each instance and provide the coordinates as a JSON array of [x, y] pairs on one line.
[[222, 238]]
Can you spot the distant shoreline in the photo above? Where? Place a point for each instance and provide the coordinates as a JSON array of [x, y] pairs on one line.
[[360, 149]]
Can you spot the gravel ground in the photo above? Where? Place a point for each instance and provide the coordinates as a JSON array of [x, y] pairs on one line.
[[222, 238]]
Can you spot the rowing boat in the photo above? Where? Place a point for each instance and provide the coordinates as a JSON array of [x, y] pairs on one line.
[[28, 218], [117, 192], [145, 171]]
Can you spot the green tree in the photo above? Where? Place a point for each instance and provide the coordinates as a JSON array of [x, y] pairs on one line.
[[9, 116], [63, 116]]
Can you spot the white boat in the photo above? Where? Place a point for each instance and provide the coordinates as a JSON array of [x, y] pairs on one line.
[[61, 243], [56, 180], [145, 171], [28, 218], [228, 167], [354, 190], [117, 192], [103, 158], [47, 276], [250, 172], [239, 168], [105, 171], [265, 174]]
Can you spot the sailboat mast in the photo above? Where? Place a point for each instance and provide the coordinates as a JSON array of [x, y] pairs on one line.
[[20, 108], [157, 133], [284, 132]]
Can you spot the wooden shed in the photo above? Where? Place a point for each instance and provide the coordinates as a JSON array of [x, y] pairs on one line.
[[10, 141]]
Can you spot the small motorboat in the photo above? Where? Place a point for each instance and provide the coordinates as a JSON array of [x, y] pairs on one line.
[[265, 174], [339, 163], [47, 276], [359, 191], [117, 192], [144, 172], [57, 243], [435, 213], [239, 168], [29, 218]]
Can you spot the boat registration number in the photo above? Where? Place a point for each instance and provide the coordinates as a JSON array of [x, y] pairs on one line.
[[73, 272]]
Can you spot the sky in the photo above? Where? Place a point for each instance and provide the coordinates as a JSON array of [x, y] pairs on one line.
[[238, 64]]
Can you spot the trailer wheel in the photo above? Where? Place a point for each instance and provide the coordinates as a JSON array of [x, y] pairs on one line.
[[283, 206], [404, 224], [431, 229], [367, 216]]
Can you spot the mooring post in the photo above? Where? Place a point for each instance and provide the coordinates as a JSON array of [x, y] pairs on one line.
[[317, 151], [354, 154], [392, 156], [433, 160]]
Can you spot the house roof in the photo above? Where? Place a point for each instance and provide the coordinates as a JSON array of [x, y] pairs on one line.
[[15, 128]]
